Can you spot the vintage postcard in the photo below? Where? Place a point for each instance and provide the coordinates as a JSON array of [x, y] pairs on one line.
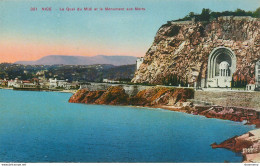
[[127, 81]]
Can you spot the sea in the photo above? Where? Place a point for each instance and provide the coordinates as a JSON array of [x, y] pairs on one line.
[[45, 127]]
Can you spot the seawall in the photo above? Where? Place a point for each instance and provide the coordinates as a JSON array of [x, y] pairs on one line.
[[229, 98], [131, 90], [244, 99]]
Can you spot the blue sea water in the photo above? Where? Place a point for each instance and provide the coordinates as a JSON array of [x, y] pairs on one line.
[[44, 127]]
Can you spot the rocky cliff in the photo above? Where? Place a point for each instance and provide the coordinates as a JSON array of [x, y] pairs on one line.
[[116, 95], [183, 48], [248, 144]]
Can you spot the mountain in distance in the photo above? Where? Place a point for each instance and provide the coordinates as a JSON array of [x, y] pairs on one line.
[[81, 60]]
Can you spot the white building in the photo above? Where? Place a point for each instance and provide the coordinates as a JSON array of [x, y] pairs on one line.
[[12, 83], [54, 83], [110, 81], [250, 87], [256, 86], [139, 61], [257, 74], [221, 66]]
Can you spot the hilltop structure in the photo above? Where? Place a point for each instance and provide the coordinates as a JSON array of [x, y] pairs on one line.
[[257, 75], [139, 61], [206, 54]]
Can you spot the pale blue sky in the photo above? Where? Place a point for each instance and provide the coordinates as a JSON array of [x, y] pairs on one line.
[[103, 31]]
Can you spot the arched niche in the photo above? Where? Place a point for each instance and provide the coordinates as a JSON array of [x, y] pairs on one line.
[[217, 56]]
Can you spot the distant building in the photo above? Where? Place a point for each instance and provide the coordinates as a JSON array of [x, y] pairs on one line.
[[105, 80], [257, 74], [139, 61], [26, 84], [44, 84], [54, 83], [110, 81], [12, 83], [255, 86], [250, 87], [3, 82]]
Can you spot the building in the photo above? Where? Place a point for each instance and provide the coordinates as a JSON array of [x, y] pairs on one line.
[[250, 87], [256, 85], [110, 81], [54, 83], [221, 66], [139, 61], [13, 83], [26, 84], [208, 57], [3, 82], [257, 75]]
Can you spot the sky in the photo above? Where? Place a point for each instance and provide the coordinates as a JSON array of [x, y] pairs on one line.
[[29, 35]]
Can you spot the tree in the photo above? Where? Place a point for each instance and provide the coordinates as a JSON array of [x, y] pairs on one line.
[[191, 14], [232, 82], [205, 14], [239, 12], [257, 13]]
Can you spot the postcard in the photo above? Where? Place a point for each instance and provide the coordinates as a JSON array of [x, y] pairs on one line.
[[148, 81]]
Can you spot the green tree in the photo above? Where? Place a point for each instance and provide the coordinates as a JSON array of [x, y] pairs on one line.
[[257, 13], [232, 82], [239, 12], [191, 14], [205, 14]]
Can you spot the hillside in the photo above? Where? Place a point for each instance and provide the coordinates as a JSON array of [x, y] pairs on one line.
[[81, 60], [183, 48], [83, 73]]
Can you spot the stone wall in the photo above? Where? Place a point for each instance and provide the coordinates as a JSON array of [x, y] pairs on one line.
[[131, 90], [235, 99], [221, 98]]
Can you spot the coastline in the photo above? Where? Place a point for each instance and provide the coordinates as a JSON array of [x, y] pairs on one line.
[[176, 99], [250, 152], [156, 128], [44, 90], [248, 144]]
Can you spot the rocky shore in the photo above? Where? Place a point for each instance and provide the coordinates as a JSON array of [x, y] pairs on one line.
[[115, 95], [248, 144], [176, 99]]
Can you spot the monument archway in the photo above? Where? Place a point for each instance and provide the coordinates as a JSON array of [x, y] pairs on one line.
[[221, 66]]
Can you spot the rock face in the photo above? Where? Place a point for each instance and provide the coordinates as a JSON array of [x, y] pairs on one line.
[[235, 144], [116, 95], [161, 96], [112, 96], [183, 48], [238, 114], [248, 144]]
